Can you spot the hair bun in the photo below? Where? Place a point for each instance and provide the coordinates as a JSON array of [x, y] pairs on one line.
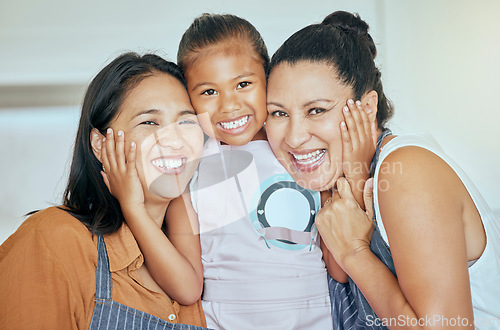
[[347, 21], [353, 24]]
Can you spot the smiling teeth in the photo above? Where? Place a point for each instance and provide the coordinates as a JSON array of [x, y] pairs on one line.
[[310, 157], [234, 124], [168, 164]]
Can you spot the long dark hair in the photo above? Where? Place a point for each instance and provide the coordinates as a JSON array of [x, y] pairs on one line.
[[210, 29], [86, 196], [342, 41]]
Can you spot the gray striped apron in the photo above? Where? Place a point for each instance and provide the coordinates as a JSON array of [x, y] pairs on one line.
[[109, 314], [350, 310]]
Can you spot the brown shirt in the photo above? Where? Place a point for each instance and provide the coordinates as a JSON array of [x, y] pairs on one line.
[[48, 271]]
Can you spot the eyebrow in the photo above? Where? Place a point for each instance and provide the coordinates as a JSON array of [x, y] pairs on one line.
[[186, 112], [147, 112], [308, 103], [243, 75], [276, 104], [316, 100]]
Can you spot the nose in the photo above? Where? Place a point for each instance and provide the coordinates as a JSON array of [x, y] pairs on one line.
[[230, 102], [169, 137], [297, 133]]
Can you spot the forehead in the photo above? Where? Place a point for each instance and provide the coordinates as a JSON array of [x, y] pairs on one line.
[[158, 91], [306, 80], [226, 57]]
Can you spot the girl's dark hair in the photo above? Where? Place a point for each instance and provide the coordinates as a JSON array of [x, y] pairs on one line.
[[86, 196], [342, 41], [210, 29]]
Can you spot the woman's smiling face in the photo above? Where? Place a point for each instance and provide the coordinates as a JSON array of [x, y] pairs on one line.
[[304, 103], [157, 115]]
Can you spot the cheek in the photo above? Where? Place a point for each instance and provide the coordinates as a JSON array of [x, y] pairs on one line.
[[204, 112], [145, 145], [202, 105], [275, 136], [260, 105], [329, 131], [194, 139]]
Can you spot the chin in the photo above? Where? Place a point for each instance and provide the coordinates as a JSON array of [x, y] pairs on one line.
[[168, 186], [317, 184], [316, 179]]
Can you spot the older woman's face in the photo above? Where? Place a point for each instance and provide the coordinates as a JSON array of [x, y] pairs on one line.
[[304, 103], [157, 115]]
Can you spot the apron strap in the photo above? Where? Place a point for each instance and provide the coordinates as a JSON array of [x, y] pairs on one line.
[[380, 139], [103, 284]]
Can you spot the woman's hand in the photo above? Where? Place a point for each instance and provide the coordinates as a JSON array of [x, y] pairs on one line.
[[119, 172], [359, 139], [344, 227]]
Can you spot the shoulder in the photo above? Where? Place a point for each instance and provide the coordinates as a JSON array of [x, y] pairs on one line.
[[51, 231], [416, 170], [414, 184], [412, 158], [54, 223]]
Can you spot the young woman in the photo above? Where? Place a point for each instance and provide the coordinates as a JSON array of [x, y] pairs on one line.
[[78, 265], [433, 229]]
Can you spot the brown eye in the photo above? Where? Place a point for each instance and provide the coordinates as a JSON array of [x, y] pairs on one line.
[[209, 92], [316, 111], [279, 113], [243, 84], [148, 122]]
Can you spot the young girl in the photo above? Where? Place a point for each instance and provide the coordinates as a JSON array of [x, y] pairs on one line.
[[262, 263]]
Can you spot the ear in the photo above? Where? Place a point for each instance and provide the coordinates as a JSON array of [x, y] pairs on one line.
[[96, 142], [370, 101]]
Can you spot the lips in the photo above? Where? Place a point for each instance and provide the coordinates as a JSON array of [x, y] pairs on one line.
[[308, 160], [170, 165], [236, 125]]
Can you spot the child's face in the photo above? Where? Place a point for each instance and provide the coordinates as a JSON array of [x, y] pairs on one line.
[[230, 86]]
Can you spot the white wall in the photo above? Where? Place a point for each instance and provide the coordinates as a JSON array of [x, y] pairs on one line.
[[438, 61], [441, 70]]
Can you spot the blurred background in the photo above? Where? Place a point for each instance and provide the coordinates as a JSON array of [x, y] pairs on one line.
[[439, 61]]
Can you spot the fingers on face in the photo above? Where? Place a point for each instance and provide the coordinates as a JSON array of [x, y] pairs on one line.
[[131, 158], [350, 116], [114, 154], [356, 128], [120, 150], [109, 144], [365, 121]]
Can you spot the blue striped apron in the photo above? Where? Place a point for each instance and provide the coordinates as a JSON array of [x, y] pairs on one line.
[[109, 314], [350, 310]]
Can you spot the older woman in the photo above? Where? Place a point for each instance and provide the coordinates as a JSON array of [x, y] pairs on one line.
[[435, 251], [78, 265]]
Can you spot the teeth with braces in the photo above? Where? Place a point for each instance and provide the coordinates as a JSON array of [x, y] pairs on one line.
[[234, 124], [168, 164], [310, 157]]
